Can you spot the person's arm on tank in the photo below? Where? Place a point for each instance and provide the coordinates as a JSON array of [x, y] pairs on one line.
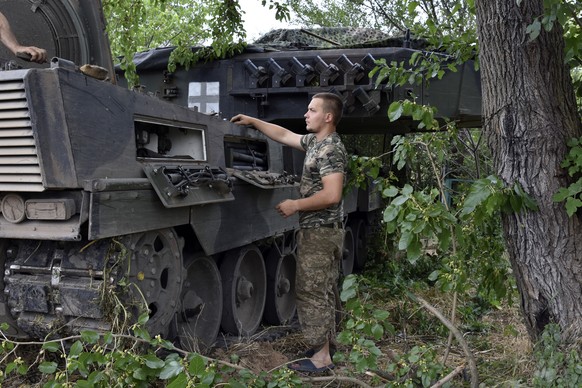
[[9, 40], [273, 131]]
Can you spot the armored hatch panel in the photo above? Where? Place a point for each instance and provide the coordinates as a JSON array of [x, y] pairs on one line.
[[68, 29], [275, 77]]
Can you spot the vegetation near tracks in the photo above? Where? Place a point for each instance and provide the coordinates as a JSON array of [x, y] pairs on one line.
[[386, 340]]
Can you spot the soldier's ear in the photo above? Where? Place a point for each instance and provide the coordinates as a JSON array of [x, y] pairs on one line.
[[329, 117]]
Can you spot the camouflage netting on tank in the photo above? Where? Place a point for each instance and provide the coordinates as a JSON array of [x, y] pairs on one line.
[[328, 37], [295, 39]]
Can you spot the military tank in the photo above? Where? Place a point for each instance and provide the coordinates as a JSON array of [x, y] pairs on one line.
[[117, 201]]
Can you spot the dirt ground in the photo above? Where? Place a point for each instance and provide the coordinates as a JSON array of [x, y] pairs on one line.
[[501, 348], [502, 351]]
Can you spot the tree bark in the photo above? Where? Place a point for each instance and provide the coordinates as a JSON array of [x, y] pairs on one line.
[[529, 114]]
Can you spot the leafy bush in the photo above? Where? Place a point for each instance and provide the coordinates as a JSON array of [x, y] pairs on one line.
[[557, 366]]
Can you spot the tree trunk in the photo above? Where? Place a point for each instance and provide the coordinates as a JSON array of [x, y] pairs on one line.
[[529, 114]]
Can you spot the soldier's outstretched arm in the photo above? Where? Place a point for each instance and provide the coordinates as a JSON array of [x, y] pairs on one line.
[[273, 131]]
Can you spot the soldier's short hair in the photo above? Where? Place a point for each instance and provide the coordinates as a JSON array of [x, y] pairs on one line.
[[332, 103]]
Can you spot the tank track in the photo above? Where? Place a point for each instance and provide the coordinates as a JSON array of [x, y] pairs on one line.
[[57, 288]]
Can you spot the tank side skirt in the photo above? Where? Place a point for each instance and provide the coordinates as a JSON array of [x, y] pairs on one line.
[[114, 213], [250, 218]]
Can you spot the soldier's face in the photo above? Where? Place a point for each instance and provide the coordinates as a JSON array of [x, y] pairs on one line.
[[315, 117]]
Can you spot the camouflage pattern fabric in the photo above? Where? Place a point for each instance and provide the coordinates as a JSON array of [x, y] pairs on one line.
[[319, 254], [332, 37], [326, 37], [322, 158]]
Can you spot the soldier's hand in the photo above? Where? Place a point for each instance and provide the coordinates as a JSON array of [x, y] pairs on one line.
[[287, 208], [241, 119], [36, 54]]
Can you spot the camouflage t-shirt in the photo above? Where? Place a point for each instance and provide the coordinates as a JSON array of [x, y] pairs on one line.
[[321, 159]]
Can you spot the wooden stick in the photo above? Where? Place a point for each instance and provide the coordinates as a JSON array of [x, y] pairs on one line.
[[449, 377], [458, 336]]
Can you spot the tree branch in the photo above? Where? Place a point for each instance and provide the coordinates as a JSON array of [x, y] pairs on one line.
[[335, 378], [448, 377], [381, 10], [458, 336]]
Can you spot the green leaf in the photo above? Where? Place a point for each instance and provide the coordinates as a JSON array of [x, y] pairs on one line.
[[390, 213], [373, 172], [495, 202], [76, 349], [419, 226], [412, 6], [108, 338], [405, 240], [179, 381], [143, 318], [236, 384], [417, 113], [48, 367], [51, 346], [575, 188], [414, 250], [401, 163], [350, 281], [89, 336], [208, 379], [142, 333], [52, 384], [83, 384], [407, 190], [172, 368], [197, 365], [153, 362], [573, 142], [381, 315], [411, 217], [480, 192], [427, 119], [516, 203], [140, 374], [534, 29], [395, 110], [377, 331], [572, 205], [444, 238], [10, 367], [390, 192], [400, 200], [348, 294]]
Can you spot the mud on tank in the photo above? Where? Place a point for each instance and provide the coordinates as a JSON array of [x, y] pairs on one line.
[[107, 191]]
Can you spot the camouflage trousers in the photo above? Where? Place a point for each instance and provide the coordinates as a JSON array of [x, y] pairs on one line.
[[318, 260]]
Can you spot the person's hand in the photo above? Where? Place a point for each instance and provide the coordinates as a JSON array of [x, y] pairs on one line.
[[241, 119], [37, 55], [287, 208]]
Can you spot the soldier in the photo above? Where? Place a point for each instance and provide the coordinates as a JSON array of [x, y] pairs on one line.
[[320, 210], [9, 40]]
